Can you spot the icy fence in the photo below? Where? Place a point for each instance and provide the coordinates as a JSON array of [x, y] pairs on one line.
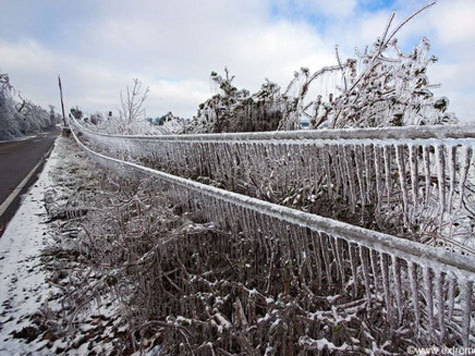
[[429, 287], [422, 174]]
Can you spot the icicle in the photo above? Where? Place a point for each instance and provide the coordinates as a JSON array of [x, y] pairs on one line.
[[222, 221], [365, 265], [241, 223], [248, 229], [414, 291], [387, 170], [264, 160], [466, 160], [272, 157], [207, 168], [316, 248], [426, 158], [244, 156], [263, 238], [451, 297], [299, 173], [228, 165], [428, 294], [341, 171], [326, 160], [378, 170], [310, 156], [255, 223], [374, 270], [439, 283], [283, 231], [439, 153], [385, 274], [290, 158], [348, 162], [353, 262], [339, 260], [414, 176], [283, 158], [206, 153], [231, 214], [324, 245], [213, 161], [187, 149], [452, 169], [305, 254], [295, 247], [367, 164], [358, 149], [402, 180], [186, 152], [232, 164], [466, 311], [397, 284]]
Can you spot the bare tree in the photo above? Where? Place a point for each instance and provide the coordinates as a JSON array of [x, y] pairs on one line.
[[132, 105]]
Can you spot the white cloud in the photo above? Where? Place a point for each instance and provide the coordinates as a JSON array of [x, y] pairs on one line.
[[183, 96], [323, 8], [454, 22], [451, 31], [173, 46]]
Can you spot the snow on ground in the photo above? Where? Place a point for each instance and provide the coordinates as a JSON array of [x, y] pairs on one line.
[[36, 269], [23, 280], [23, 138]]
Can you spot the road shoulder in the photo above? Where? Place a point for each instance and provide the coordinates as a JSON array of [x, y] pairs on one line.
[[24, 280]]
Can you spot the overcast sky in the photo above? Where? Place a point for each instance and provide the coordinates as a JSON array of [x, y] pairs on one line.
[[173, 45]]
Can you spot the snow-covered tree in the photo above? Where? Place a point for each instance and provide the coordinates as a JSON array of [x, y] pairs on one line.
[[8, 127], [382, 86], [168, 124], [233, 110], [18, 118]]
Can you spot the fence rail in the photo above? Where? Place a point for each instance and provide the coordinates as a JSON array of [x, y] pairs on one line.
[[398, 133], [431, 287]]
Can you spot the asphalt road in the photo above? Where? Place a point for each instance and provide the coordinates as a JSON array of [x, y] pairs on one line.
[[17, 159]]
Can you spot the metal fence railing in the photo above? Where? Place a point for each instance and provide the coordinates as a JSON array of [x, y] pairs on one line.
[[431, 287]]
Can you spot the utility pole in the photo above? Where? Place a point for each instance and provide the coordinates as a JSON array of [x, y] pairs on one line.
[[66, 129], [62, 103]]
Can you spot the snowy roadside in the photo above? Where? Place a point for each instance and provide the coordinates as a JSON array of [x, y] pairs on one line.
[[16, 139], [37, 270], [24, 288]]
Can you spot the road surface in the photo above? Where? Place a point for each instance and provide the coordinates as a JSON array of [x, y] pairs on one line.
[[17, 160]]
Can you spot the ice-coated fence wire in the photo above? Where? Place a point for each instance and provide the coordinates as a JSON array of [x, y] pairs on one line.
[[430, 287], [423, 173]]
